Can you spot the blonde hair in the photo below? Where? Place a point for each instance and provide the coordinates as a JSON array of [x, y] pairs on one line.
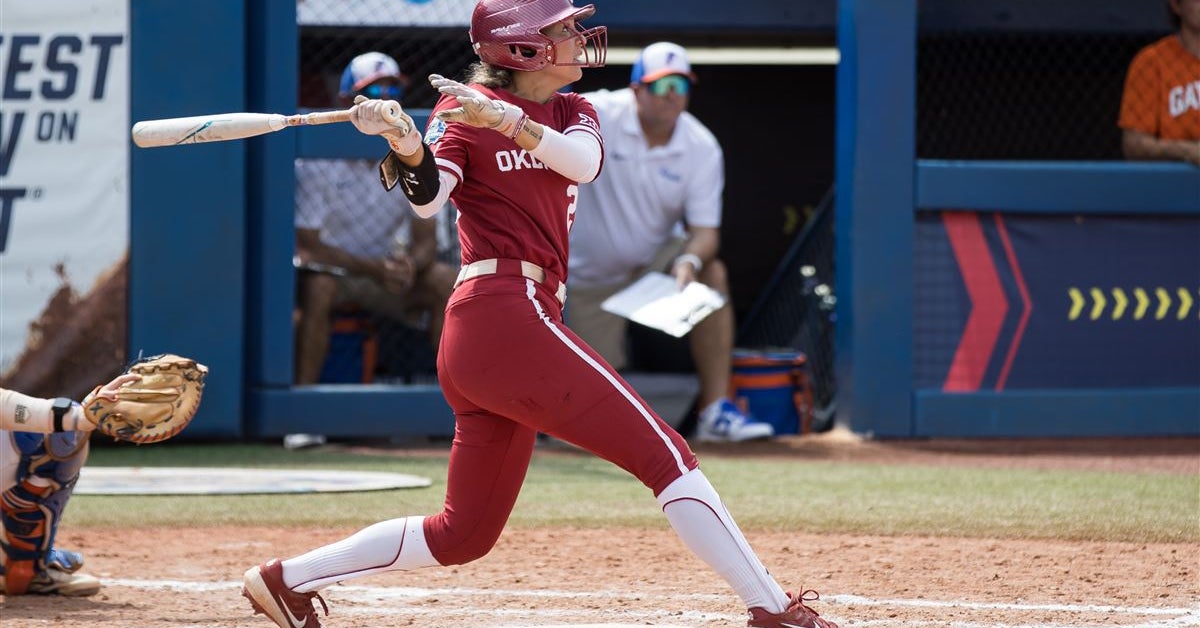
[[489, 75]]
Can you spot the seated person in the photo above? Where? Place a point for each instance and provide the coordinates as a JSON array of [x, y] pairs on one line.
[[1160, 107], [663, 168], [359, 245]]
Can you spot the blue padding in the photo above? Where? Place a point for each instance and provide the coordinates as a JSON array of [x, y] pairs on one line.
[[350, 411], [1058, 413], [874, 213], [1058, 187], [342, 141], [187, 217]]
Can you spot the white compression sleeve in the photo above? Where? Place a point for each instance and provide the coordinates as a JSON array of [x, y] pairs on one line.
[[575, 155], [22, 413], [701, 520], [393, 545]]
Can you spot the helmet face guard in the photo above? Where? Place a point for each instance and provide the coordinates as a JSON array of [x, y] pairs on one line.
[[507, 33]]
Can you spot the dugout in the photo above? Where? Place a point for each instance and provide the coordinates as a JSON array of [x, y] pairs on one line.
[[900, 167]]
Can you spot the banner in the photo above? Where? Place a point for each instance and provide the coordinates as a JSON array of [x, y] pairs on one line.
[[64, 164], [1015, 301]]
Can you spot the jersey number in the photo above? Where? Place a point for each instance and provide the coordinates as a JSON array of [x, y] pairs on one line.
[[573, 194]]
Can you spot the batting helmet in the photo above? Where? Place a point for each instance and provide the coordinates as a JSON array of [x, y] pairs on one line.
[[507, 33]]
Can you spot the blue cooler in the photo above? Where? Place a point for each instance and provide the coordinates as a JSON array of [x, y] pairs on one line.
[[774, 387]]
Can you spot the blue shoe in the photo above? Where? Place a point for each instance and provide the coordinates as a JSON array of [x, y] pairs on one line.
[[64, 560], [724, 422]]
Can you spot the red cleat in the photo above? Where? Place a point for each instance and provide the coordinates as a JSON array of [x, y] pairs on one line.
[[796, 615], [264, 587]]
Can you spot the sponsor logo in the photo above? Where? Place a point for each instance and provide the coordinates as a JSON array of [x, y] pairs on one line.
[[435, 132]]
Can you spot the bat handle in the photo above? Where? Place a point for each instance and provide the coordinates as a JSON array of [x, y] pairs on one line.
[[392, 114], [319, 117]]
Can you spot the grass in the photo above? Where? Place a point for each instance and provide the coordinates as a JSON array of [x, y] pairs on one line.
[[763, 494]]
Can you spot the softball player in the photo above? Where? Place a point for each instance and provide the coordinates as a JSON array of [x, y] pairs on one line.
[[510, 151], [43, 444]]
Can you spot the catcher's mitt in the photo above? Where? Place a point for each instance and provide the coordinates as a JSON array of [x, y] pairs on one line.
[[155, 407]]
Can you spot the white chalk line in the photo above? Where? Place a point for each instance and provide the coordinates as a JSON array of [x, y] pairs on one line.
[[367, 596]]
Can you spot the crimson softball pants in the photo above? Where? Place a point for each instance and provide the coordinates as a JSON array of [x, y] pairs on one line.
[[510, 369]]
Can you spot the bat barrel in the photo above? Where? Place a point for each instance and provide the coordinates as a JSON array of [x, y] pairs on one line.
[[200, 129]]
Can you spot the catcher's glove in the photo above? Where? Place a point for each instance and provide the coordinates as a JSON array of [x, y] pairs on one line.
[[156, 406]]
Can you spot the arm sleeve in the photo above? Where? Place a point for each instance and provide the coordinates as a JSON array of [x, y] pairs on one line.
[[22, 413], [447, 182], [1140, 98], [575, 155], [577, 152]]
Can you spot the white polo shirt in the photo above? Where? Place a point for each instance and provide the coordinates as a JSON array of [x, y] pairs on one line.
[[635, 205]]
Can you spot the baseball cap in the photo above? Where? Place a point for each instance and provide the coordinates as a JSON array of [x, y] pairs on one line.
[[661, 59], [367, 68]]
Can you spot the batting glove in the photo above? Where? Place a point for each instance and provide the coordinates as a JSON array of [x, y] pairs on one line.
[[386, 118], [478, 110]]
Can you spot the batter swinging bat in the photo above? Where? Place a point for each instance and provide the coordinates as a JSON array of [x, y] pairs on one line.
[[222, 127]]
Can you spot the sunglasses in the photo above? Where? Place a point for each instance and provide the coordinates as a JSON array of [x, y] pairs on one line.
[[383, 91], [672, 82]]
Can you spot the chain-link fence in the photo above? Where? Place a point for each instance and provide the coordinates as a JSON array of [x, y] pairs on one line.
[[797, 309], [371, 341], [1019, 95]]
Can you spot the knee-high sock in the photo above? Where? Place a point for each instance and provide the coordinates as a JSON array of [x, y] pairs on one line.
[[701, 520], [393, 545]]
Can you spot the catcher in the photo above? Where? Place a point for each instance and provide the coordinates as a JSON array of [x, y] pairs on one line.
[[43, 445]]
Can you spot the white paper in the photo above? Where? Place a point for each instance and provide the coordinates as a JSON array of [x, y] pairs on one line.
[[655, 302]]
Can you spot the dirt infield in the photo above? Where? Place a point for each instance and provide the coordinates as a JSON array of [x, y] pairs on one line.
[[189, 578]]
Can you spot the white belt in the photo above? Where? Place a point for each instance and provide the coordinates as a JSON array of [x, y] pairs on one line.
[[495, 266]]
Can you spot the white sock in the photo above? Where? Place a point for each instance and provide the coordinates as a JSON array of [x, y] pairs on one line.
[[701, 520], [393, 545]]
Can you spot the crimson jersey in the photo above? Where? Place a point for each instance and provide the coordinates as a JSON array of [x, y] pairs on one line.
[[511, 206]]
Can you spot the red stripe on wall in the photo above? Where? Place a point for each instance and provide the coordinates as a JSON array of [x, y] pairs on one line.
[[1026, 302], [988, 304]]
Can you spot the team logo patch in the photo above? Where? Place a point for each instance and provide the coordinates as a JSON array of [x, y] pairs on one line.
[[435, 131]]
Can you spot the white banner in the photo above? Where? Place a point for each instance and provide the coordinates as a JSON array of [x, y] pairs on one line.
[[384, 12], [64, 154]]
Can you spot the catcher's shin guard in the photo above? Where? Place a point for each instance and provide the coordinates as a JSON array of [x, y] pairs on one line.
[[32, 508]]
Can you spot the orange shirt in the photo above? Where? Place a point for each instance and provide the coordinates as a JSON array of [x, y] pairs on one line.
[[1162, 92]]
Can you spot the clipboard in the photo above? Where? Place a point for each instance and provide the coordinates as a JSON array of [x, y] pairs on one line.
[[654, 301]]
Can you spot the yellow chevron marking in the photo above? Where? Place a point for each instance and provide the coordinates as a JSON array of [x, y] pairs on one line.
[[1164, 303], [1098, 306], [1119, 308], [1185, 303], [1143, 302], [1077, 302]]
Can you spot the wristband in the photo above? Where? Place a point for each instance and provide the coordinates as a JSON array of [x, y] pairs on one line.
[[690, 258], [59, 407], [520, 126]]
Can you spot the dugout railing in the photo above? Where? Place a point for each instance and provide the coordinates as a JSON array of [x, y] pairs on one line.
[[212, 235]]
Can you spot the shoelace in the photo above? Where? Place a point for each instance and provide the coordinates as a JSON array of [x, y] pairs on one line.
[[308, 607], [802, 597]]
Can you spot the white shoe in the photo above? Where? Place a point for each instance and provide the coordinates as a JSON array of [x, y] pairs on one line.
[[54, 581], [292, 442], [723, 422]]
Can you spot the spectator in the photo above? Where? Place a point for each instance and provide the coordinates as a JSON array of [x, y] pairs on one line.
[[43, 444], [358, 245], [1160, 108], [657, 206]]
